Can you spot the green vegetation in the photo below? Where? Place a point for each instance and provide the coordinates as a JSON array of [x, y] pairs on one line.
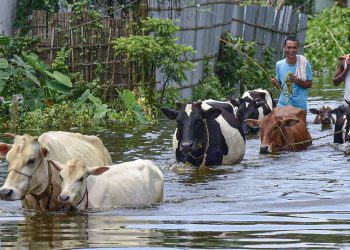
[[156, 48], [210, 86], [236, 69], [321, 49]]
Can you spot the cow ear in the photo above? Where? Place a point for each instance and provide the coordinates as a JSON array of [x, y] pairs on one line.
[[254, 123], [97, 170], [289, 122], [58, 165], [211, 113], [170, 113], [314, 111], [335, 111], [44, 151], [4, 148], [348, 102], [235, 102], [10, 135]]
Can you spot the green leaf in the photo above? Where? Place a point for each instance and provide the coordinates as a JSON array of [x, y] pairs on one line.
[[19, 61], [112, 114], [61, 78], [33, 99], [101, 111], [5, 40], [131, 104], [95, 100], [34, 62], [3, 63], [55, 85], [82, 99], [32, 77]]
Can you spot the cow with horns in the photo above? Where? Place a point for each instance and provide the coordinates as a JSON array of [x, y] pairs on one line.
[[206, 134]]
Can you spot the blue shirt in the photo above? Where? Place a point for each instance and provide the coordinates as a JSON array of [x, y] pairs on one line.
[[298, 97]]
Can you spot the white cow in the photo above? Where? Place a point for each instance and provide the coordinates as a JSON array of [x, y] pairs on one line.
[[31, 179], [128, 183]]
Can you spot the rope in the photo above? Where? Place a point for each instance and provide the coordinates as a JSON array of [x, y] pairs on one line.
[[310, 140]]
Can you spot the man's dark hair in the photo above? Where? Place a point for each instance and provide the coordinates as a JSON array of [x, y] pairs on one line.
[[291, 38]]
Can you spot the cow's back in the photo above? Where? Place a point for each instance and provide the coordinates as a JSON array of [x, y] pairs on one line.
[[134, 182], [63, 146]]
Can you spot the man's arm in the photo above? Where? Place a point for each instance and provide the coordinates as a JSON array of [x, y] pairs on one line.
[[340, 73], [304, 84]]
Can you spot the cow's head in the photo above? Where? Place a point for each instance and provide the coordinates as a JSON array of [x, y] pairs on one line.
[[191, 119], [342, 123], [25, 167], [73, 176], [248, 109], [272, 131], [323, 116]]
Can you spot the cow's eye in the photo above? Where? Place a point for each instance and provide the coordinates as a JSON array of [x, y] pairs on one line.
[[31, 161], [276, 127], [61, 178], [81, 179]]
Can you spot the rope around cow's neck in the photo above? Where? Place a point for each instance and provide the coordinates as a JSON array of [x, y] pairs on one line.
[[87, 199], [310, 140]]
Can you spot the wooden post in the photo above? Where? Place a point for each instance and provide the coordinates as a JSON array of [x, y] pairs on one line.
[[143, 9]]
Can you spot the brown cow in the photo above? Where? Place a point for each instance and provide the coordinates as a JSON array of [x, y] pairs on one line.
[[323, 116], [282, 129]]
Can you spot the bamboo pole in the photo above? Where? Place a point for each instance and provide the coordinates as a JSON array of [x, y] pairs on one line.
[[342, 51], [256, 63]]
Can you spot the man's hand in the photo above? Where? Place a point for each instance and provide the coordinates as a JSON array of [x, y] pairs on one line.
[[276, 84], [295, 79]]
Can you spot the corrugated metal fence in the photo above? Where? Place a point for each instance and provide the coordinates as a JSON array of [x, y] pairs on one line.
[[203, 22]]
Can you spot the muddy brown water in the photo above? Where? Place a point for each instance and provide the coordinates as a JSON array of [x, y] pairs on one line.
[[286, 200]]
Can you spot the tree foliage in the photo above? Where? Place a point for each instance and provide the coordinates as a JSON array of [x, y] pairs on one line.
[[156, 49], [321, 49]]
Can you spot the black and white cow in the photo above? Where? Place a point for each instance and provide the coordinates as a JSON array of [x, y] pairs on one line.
[[206, 135], [254, 104], [222, 105], [342, 123]]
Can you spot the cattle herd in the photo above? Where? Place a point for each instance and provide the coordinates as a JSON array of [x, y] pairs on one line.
[[70, 170]]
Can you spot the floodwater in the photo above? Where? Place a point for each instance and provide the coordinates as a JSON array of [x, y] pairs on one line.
[[287, 200]]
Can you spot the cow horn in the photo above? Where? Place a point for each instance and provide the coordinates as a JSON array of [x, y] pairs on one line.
[[10, 135]]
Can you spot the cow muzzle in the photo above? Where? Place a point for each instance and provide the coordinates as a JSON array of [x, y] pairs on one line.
[[63, 198], [187, 146], [8, 194], [264, 149], [326, 121]]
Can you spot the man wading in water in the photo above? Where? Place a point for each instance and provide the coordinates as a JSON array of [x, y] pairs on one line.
[[295, 76]]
